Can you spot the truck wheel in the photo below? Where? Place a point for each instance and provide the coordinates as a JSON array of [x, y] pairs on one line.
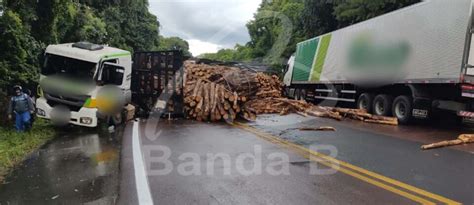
[[303, 94], [297, 94], [117, 119], [365, 102], [383, 105], [402, 107]]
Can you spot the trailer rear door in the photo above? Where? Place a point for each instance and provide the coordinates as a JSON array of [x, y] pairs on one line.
[[157, 82], [468, 72]]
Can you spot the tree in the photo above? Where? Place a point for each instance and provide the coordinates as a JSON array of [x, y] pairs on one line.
[[318, 18], [353, 11], [174, 43], [18, 52]]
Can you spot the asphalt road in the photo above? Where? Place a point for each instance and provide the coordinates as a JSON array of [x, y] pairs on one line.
[[389, 150], [268, 161], [395, 170]]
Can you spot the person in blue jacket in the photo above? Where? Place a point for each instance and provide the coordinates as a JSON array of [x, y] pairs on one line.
[[22, 106]]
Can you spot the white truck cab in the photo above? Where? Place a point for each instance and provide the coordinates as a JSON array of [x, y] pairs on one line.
[[72, 75]]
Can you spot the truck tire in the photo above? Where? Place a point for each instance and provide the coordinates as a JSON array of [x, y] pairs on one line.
[[117, 119], [401, 109], [297, 94], [365, 102], [383, 105], [303, 94]]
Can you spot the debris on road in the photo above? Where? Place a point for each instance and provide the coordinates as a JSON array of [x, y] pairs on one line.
[[214, 92], [130, 112], [462, 139], [322, 128]]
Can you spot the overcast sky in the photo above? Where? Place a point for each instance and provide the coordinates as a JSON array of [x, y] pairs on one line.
[[208, 25]]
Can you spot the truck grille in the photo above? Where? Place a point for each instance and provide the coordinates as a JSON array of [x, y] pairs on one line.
[[73, 102]]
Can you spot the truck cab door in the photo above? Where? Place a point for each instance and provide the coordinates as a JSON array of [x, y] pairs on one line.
[[111, 74]]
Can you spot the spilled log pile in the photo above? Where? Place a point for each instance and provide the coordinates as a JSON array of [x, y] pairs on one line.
[[462, 139], [214, 93]]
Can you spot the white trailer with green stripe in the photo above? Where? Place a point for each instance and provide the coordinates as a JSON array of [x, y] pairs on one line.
[[407, 63]]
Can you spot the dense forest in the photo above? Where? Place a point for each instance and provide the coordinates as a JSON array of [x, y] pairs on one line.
[[279, 24], [28, 26]]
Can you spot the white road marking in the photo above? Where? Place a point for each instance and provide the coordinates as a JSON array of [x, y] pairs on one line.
[[141, 180]]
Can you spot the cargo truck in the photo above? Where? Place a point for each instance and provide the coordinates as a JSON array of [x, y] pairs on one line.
[[74, 76], [409, 63]]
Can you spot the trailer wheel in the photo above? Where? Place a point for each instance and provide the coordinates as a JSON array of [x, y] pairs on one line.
[[117, 119], [297, 94], [303, 94], [401, 109], [383, 105], [365, 102]]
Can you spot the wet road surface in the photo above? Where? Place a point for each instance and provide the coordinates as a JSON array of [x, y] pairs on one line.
[[393, 151], [191, 180], [225, 164], [79, 168]]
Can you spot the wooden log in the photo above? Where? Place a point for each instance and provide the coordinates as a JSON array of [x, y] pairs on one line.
[[206, 97], [322, 128], [200, 102], [385, 122], [212, 96], [462, 139], [197, 87]]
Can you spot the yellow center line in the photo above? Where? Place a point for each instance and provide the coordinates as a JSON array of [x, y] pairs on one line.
[[332, 162]]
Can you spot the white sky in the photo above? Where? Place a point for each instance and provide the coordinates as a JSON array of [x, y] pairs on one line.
[[208, 25]]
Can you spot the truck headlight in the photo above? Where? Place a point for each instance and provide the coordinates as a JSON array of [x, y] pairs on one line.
[[90, 103], [40, 112], [86, 120]]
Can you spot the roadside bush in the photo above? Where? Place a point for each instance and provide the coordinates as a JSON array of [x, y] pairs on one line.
[[14, 146]]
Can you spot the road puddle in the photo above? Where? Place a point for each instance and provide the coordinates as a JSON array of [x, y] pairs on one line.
[[73, 168]]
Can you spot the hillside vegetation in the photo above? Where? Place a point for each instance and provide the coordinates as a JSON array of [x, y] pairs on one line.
[[28, 26], [279, 25]]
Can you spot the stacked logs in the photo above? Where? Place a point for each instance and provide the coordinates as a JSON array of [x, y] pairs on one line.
[[209, 101], [214, 93]]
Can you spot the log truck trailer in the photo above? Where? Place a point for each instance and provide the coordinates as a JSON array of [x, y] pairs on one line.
[[407, 63], [74, 76]]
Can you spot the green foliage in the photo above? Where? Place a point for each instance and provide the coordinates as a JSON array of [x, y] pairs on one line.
[[16, 146], [238, 53], [27, 26], [353, 11], [18, 52], [174, 43], [279, 25]]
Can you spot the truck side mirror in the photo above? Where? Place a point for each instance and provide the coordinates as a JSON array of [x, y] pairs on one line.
[[112, 74]]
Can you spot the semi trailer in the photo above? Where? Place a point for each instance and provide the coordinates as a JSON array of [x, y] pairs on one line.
[[83, 83], [409, 63]]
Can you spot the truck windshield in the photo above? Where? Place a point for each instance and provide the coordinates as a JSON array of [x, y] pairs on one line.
[[68, 67]]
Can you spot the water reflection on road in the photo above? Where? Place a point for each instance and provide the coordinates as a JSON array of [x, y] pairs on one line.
[[74, 168]]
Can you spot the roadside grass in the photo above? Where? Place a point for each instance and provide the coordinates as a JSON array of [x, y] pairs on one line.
[[14, 146]]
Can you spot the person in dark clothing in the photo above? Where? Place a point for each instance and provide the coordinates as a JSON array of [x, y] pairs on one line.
[[33, 100], [22, 106]]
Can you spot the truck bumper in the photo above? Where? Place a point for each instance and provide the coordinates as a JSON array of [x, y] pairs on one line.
[[84, 117]]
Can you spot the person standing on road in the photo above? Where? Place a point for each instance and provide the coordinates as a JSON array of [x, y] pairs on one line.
[[22, 106]]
